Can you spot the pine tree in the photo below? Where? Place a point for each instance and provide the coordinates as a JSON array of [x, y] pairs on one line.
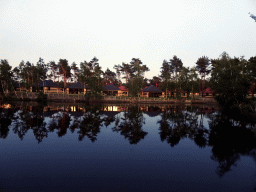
[[203, 67]]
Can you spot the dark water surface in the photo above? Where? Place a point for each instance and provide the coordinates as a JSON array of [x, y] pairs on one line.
[[124, 148]]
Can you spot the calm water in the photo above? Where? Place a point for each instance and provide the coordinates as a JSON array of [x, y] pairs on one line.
[[124, 148]]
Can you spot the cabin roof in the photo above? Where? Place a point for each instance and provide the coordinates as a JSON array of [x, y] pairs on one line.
[[46, 83], [78, 85], [111, 87], [152, 89], [123, 88]]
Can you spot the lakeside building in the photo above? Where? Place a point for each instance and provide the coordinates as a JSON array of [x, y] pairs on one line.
[[123, 91], [151, 91], [77, 88], [19, 87], [112, 90], [47, 86]]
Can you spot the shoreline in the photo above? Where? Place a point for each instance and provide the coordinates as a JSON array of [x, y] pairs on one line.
[[124, 100]]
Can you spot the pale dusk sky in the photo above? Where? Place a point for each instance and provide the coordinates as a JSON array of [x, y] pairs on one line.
[[117, 31]]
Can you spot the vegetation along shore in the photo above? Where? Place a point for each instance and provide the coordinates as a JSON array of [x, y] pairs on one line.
[[225, 80]]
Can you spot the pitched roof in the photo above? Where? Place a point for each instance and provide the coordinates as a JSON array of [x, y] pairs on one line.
[[123, 88], [152, 89], [111, 87], [78, 85], [47, 83]]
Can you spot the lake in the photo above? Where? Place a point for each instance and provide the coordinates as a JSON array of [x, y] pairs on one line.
[[80, 147]]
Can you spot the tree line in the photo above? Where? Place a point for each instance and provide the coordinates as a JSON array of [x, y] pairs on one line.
[[229, 78]]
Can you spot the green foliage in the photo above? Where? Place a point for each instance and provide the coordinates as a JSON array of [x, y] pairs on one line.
[[203, 67], [126, 70], [75, 70], [5, 77], [194, 81], [53, 70], [165, 72], [118, 69], [135, 85], [252, 72], [175, 65], [95, 84], [30, 74], [137, 68], [64, 70], [109, 77], [156, 81], [90, 74], [136, 72], [229, 80], [184, 80], [84, 73]]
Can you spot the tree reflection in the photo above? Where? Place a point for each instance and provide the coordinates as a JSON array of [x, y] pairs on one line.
[[201, 137], [4, 124], [229, 140], [90, 124], [63, 124], [130, 125], [109, 118], [20, 128], [177, 123], [5, 121]]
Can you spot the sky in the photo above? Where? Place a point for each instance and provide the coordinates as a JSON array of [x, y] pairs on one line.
[[117, 31]]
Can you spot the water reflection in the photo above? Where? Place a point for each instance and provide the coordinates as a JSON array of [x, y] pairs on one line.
[[90, 124], [130, 126], [218, 141], [228, 138], [179, 122]]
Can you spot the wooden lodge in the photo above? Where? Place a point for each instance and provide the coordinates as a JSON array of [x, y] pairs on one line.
[[47, 86], [19, 87], [78, 88], [151, 91], [112, 90], [123, 91]]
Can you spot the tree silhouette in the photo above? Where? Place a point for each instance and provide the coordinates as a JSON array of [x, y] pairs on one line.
[[175, 65], [54, 69], [64, 70], [202, 66], [5, 76]]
